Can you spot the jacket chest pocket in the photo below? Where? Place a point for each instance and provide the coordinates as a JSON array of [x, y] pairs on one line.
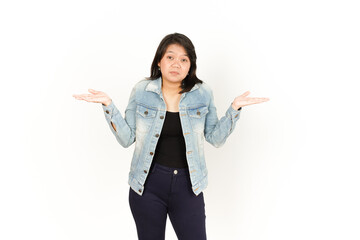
[[197, 118], [145, 117]]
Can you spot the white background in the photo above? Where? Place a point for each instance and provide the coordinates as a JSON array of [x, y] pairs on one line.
[[290, 170]]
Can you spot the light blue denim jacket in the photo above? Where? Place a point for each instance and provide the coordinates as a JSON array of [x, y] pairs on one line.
[[143, 121]]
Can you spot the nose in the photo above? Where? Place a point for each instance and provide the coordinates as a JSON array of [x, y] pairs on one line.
[[176, 63]]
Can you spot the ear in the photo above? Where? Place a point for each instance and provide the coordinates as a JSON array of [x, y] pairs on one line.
[[158, 64]]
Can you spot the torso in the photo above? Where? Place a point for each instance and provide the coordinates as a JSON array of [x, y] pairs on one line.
[[171, 149]]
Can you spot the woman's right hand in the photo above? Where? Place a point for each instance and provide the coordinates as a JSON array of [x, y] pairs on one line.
[[95, 96]]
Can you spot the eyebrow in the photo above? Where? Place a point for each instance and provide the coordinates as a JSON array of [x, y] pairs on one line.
[[173, 52]]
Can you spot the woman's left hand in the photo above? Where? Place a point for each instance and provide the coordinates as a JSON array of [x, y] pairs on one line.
[[244, 100]]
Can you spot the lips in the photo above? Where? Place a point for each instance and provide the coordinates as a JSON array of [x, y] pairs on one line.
[[174, 73]]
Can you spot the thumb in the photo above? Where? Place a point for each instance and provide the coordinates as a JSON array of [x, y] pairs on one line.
[[92, 90], [246, 94]]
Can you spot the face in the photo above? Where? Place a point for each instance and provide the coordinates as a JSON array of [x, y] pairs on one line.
[[175, 64]]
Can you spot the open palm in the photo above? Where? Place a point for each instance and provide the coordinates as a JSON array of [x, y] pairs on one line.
[[244, 100], [95, 96]]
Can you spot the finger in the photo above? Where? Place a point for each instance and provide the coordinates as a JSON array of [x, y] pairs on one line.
[[245, 94], [77, 96], [91, 97], [93, 91], [87, 95], [259, 100], [88, 99]]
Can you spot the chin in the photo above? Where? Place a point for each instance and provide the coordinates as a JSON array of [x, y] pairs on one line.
[[175, 80]]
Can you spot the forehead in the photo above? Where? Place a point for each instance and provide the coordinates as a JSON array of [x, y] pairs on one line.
[[176, 49]]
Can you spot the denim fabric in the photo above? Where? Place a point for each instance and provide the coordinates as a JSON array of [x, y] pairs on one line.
[[143, 121]]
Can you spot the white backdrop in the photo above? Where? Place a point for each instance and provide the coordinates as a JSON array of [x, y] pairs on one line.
[[288, 171]]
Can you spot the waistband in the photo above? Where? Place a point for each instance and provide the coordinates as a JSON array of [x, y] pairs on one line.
[[169, 170]]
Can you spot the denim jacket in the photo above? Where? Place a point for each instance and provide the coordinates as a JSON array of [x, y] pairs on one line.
[[143, 121]]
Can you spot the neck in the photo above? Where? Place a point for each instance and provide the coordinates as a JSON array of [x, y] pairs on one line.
[[171, 88]]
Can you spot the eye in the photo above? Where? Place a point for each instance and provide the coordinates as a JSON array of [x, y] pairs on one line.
[[169, 57], [184, 60]]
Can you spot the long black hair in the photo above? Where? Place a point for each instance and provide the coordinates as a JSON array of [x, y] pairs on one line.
[[176, 38]]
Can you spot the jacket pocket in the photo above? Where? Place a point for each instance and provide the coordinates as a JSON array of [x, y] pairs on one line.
[[145, 117], [198, 112], [197, 116], [146, 112]]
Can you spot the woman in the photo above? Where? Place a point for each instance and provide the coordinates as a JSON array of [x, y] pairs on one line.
[[168, 116]]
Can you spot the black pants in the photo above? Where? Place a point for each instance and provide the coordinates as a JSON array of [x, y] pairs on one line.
[[168, 192]]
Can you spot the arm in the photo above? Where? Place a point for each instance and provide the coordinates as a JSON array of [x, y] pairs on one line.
[[216, 131], [124, 128]]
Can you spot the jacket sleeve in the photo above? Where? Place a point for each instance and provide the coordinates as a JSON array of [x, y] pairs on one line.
[[125, 126], [216, 131]]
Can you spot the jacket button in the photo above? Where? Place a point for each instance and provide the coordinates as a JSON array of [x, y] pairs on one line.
[[107, 111], [146, 112], [157, 135], [145, 171], [198, 113], [175, 172], [139, 190], [161, 117], [151, 153]]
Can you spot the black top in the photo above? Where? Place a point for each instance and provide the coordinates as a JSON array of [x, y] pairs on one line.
[[170, 150]]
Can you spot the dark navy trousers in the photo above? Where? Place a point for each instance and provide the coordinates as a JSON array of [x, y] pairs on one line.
[[167, 191]]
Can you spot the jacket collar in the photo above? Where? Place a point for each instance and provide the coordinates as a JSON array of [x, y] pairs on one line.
[[155, 86]]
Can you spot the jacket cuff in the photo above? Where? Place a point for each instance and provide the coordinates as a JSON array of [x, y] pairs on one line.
[[110, 109], [232, 113]]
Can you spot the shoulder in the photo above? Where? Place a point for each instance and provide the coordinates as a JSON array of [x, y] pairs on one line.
[[141, 85], [204, 88], [201, 93]]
